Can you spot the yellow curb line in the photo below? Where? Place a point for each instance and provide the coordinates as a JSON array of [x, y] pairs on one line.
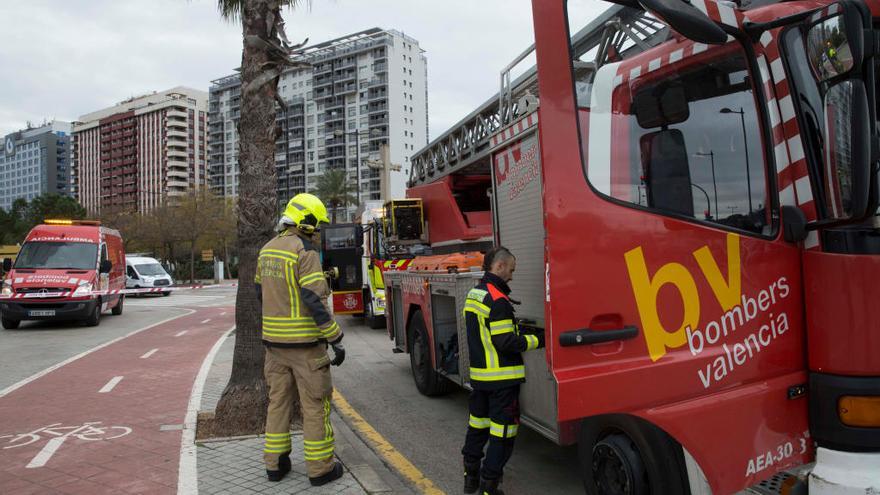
[[384, 448]]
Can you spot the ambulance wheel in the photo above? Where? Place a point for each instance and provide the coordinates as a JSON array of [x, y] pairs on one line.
[[117, 310], [621, 455], [95, 318], [428, 381], [9, 324]]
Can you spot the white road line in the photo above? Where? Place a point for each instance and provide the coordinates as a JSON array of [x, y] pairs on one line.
[[149, 353], [15, 386], [48, 451], [187, 479], [180, 334], [109, 386], [205, 321]]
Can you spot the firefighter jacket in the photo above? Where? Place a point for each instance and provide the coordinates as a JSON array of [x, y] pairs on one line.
[[494, 341], [294, 292]]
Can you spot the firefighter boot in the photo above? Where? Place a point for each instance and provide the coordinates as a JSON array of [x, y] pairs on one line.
[[471, 477], [490, 487], [283, 468], [332, 475]]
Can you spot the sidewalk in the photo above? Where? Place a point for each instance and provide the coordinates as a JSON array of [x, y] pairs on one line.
[[236, 465]]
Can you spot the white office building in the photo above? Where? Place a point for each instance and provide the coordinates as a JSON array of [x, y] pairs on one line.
[[362, 91]]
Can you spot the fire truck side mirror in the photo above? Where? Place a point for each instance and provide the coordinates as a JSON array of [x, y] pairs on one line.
[[794, 224], [7, 264], [105, 267], [683, 17]]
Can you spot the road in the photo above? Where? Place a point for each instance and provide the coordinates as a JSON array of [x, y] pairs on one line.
[[105, 377], [429, 431], [103, 409]]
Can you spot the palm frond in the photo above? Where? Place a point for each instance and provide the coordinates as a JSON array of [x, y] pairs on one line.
[[231, 9]]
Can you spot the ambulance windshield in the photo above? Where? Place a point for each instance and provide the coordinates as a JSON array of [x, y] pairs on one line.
[[57, 256]]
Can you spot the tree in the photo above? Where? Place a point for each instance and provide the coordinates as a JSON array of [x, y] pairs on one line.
[[265, 54], [335, 190]]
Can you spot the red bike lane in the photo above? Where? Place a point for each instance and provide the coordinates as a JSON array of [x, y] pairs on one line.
[[111, 421]]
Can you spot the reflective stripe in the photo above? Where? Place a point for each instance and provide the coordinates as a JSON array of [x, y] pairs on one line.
[[496, 374], [311, 278], [292, 291], [531, 342], [277, 253], [317, 444], [478, 423], [330, 331], [500, 327], [488, 348], [502, 431], [277, 443], [286, 319], [477, 295], [305, 334], [476, 308]]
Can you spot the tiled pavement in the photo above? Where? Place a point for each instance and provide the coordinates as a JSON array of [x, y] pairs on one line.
[[235, 466]]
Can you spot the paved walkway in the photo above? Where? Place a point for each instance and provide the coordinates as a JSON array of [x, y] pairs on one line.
[[235, 466]]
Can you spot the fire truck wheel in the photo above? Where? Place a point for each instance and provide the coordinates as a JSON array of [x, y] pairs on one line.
[[9, 324], [95, 318], [428, 381], [117, 310], [621, 455]]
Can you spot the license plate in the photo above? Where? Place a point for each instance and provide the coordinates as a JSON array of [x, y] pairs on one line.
[[42, 312]]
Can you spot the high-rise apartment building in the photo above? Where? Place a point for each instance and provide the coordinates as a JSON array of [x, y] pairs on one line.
[[35, 161], [138, 153], [362, 91]]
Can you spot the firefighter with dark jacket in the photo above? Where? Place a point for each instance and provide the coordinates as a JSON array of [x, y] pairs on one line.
[[297, 327], [495, 344]]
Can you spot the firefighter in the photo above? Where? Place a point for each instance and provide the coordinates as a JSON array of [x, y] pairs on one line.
[[297, 327], [495, 345]]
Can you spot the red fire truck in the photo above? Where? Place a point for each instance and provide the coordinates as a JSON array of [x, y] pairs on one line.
[[690, 189]]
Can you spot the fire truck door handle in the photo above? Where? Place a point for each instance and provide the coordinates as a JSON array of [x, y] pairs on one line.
[[588, 336]]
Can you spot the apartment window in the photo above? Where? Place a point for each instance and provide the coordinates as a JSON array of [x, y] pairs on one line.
[[410, 72], [352, 111], [363, 109], [311, 143]]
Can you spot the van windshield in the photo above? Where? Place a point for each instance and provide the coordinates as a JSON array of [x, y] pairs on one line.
[[150, 269], [58, 255]]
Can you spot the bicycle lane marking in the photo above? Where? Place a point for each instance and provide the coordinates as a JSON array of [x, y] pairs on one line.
[[39, 374], [77, 428]]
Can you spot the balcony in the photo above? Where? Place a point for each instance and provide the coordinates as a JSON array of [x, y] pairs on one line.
[[176, 153], [174, 123], [177, 113], [175, 134], [178, 173], [176, 162]]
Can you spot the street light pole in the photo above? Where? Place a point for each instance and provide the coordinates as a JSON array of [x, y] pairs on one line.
[[711, 155], [742, 116]]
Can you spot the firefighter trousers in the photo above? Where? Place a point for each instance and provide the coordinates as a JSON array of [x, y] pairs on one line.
[[307, 369], [494, 418]]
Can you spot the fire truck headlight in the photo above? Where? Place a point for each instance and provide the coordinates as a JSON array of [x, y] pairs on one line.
[[7, 288], [84, 289], [858, 411]]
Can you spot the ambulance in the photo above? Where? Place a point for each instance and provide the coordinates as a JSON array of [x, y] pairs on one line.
[[66, 270]]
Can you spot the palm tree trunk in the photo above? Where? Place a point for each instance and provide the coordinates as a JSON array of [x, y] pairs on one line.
[[242, 408]]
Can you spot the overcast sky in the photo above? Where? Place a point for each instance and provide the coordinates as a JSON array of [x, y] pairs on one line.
[[62, 59]]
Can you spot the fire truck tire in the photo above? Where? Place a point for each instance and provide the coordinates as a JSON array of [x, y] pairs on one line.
[[95, 318], [428, 381], [9, 324], [621, 455], [117, 310]]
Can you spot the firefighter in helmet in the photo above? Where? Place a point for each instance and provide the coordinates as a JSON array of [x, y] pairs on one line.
[[297, 327], [495, 345]]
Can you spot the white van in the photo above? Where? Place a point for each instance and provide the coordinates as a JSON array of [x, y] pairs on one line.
[[143, 272]]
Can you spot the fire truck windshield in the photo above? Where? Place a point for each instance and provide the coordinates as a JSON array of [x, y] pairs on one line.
[[58, 256]]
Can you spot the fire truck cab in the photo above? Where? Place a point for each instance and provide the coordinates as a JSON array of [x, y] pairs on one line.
[[690, 189]]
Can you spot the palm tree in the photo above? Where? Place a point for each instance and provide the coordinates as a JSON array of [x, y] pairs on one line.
[[334, 189], [265, 55]]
